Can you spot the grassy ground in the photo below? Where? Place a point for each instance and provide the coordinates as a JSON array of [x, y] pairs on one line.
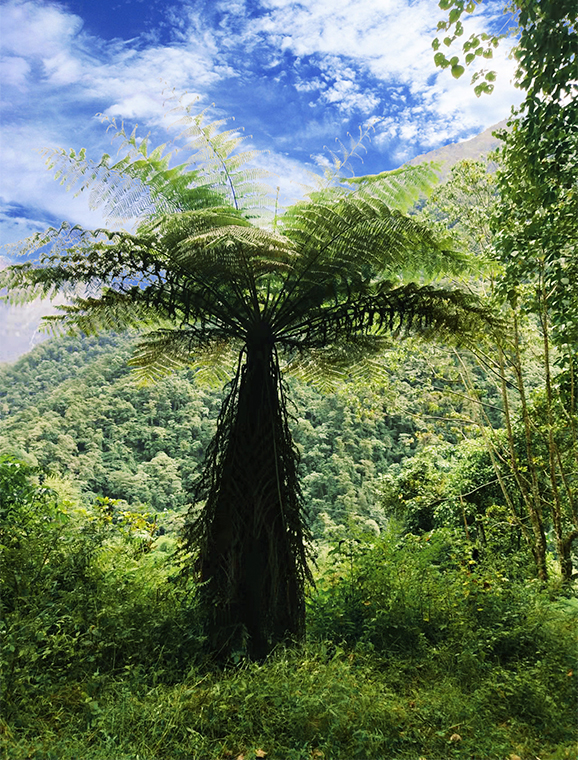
[[318, 702]]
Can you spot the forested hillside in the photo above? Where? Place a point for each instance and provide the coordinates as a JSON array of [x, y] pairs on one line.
[[72, 405]]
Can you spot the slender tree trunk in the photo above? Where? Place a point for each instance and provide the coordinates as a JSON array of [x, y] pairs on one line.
[[250, 536], [534, 498], [536, 538], [556, 468]]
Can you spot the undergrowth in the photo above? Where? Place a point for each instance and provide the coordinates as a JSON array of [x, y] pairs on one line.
[[413, 650]]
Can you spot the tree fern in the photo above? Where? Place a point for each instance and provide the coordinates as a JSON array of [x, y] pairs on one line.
[[322, 294]]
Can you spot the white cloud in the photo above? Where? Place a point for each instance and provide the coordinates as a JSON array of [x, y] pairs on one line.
[[349, 97], [137, 80], [14, 71], [62, 69], [363, 53], [391, 41], [36, 29], [309, 86], [46, 37]]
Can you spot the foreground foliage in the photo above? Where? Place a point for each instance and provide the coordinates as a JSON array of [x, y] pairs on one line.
[[413, 651]]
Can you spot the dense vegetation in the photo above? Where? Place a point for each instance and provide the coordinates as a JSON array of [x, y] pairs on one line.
[[439, 484], [425, 636], [73, 406], [413, 649]]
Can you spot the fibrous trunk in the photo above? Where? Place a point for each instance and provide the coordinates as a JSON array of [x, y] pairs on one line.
[[249, 538]]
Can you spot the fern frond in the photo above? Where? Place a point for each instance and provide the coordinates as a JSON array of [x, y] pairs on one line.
[[399, 188], [356, 240], [349, 358], [224, 166], [136, 186], [172, 229], [230, 250], [50, 274], [362, 232], [214, 364], [211, 354], [112, 311], [314, 369], [408, 309], [144, 182], [340, 161]]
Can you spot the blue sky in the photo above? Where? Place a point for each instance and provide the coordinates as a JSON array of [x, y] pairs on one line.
[[294, 75]]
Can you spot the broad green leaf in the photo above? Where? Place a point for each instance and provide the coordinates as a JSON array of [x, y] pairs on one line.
[[441, 60]]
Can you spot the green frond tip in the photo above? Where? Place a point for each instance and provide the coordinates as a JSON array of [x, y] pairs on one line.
[[224, 166], [161, 352], [145, 181], [399, 188]]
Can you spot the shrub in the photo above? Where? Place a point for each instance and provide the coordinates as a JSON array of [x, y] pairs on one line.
[[83, 591], [418, 595]]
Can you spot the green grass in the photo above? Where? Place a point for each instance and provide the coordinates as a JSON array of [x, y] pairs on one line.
[[317, 701]]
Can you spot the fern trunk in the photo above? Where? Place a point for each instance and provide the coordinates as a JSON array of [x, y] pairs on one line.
[[249, 539]]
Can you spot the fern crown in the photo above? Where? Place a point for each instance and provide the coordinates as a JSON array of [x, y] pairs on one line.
[[212, 269]]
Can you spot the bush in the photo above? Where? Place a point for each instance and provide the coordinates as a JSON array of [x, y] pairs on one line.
[[83, 591], [417, 595], [414, 650]]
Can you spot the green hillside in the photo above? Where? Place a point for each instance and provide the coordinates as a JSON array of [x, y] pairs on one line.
[[73, 406]]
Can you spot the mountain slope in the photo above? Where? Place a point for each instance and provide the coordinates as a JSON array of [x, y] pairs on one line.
[[475, 148], [73, 405]]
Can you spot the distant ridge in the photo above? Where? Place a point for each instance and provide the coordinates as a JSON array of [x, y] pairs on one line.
[[474, 148]]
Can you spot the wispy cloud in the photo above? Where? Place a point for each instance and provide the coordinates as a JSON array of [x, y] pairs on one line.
[[300, 74]]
